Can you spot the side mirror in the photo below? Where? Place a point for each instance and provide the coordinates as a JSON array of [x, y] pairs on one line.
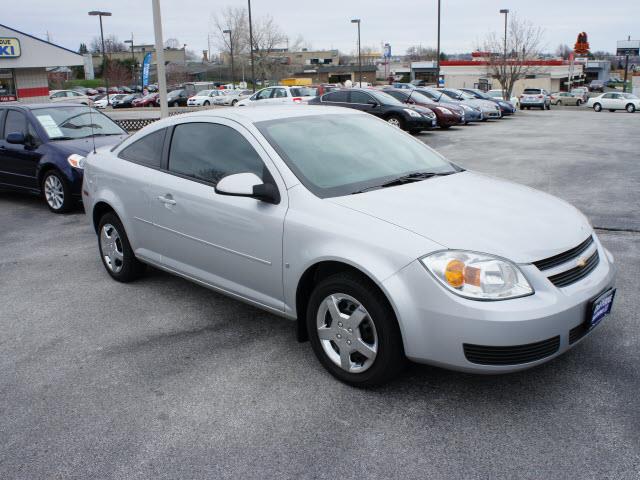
[[247, 185], [16, 138]]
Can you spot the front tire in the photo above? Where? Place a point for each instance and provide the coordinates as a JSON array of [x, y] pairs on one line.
[[597, 107], [578, 103], [630, 108], [353, 331], [56, 192], [396, 121], [234, 103], [206, 103], [115, 250]]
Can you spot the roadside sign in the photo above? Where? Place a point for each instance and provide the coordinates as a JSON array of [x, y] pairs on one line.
[[9, 47], [628, 47]]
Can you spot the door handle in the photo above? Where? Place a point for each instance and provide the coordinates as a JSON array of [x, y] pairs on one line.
[[167, 200]]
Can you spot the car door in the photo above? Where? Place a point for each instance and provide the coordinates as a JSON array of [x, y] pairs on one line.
[[279, 96], [617, 101], [338, 98], [19, 163], [261, 97], [607, 100], [364, 102], [232, 243]]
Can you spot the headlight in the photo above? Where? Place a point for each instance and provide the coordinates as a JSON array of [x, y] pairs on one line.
[[412, 113], [445, 110], [477, 276], [76, 161]]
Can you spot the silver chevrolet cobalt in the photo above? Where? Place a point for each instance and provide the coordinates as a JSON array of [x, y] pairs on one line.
[[379, 248]]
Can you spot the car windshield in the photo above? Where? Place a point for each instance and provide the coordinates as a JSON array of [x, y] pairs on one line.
[[419, 97], [348, 153], [434, 94], [451, 94], [385, 98], [495, 94], [303, 92], [75, 122]]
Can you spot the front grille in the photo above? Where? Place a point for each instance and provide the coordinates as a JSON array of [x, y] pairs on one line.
[[573, 275], [561, 258], [512, 355], [576, 333]]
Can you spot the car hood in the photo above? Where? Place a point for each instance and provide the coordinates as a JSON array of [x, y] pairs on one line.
[[471, 211], [83, 146], [483, 104]]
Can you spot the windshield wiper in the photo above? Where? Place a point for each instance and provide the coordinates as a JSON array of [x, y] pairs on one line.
[[411, 177]]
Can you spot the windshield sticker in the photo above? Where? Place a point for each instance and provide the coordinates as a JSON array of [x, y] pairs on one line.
[[50, 125]]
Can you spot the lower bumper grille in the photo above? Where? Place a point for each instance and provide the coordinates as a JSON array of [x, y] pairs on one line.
[[511, 355], [577, 333]]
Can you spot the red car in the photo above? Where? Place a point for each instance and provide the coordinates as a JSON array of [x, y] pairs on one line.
[[151, 100], [447, 115]]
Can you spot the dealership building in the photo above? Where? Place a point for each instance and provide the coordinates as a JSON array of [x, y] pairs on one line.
[[24, 60], [552, 75]]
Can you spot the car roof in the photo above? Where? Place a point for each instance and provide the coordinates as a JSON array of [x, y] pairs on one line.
[[35, 106], [266, 113]]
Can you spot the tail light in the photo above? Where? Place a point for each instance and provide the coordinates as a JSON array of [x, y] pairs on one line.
[[297, 100], [540, 96]]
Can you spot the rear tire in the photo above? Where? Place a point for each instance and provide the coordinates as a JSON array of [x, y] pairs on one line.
[[578, 103], [374, 330], [115, 250], [559, 103], [597, 107]]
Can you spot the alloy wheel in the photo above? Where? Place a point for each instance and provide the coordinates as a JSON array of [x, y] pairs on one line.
[[394, 121], [346, 332], [54, 192], [111, 248]]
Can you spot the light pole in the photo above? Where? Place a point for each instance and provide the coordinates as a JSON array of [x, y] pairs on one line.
[[438, 50], [504, 65], [233, 87], [162, 79], [253, 76], [133, 61], [357, 20], [99, 14]]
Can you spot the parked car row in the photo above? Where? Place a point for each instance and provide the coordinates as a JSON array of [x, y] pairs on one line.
[[412, 109]]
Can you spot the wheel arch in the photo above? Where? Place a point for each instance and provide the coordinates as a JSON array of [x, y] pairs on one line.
[[99, 210], [314, 274]]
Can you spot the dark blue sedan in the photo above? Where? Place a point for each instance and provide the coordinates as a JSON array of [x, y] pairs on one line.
[[42, 148]]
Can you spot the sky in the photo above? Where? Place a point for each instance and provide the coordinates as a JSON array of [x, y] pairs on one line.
[[326, 24]]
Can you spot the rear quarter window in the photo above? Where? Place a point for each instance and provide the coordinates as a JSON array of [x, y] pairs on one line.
[[146, 151]]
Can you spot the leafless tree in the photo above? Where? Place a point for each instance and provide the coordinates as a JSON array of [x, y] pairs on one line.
[[515, 62], [418, 53], [267, 36], [111, 45], [300, 44], [563, 51], [172, 43]]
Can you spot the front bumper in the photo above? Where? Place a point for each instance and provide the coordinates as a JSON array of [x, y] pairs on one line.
[[423, 123], [435, 323]]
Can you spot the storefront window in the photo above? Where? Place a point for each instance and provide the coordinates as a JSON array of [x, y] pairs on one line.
[[7, 86]]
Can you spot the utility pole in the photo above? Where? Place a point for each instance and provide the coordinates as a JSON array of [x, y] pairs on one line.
[[438, 50], [99, 14], [162, 80], [357, 20], [253, 76], [133, 61]]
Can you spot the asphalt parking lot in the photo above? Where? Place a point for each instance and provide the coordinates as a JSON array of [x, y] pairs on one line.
[[164, 379]]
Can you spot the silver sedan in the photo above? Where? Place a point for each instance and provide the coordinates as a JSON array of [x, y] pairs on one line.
[[374, 244]]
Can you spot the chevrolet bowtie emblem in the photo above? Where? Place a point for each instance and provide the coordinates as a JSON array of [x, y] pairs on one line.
[[581, 262]]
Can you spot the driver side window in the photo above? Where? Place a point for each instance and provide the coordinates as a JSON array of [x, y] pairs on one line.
[[263, 94]]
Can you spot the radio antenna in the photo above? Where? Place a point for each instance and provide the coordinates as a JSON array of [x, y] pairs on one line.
[[93, 133]]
